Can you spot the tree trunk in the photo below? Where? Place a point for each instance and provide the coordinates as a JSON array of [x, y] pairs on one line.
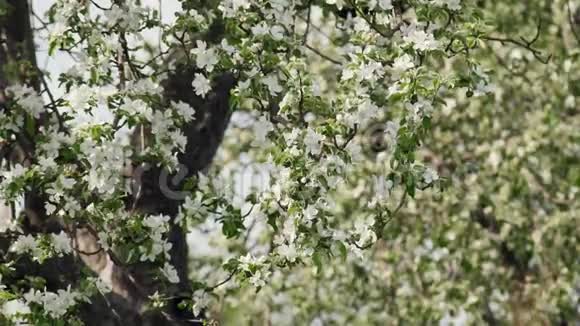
[[131, 286]]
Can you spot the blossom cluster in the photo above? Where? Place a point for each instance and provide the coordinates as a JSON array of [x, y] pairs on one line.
[[359, 112]]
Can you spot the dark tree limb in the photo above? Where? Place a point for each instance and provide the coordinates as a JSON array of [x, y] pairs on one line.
[[159, 191]]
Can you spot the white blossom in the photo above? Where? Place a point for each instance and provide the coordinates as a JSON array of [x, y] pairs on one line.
[[310, 212], [261, 129], [288, 251], [271, 81], [138, 107], [56, 304], [460, 318], [205, 58], [14, 308], [451, 4], [24, 244], [259, 278], [313, 141], [170, 273], [185, 111], [61, 243], [14, 173], [420, 39], [386, 4], [403, 63], [28, 99], [200, 301], [430, 176], [201, 85]]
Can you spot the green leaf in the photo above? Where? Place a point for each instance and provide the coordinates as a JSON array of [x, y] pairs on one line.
[[6, 296]]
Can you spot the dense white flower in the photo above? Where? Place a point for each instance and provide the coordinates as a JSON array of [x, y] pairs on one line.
[[56, 304], [333, 76], [24, 244], [277, 32], [261, 129], [451, 4], [66, 183], [420, 109], [310, 212], [271, 81], [205, 58], [259, 278], [61, 243], [366, 113], [363, 228], [156, 222], [138, 107], [497, 303], [194, 205], [420, 39], [158, 246], [246, 261], [288, 251], [386, 4], [403, 63], [339, 3], [128, 16], [201, 85], [347, 73], [170, 273], [138, 87], [14, 173], [231, 7], [161, 123], [260, 29], [227, 47], [371, 71], [430, 176], [33, 296], [185, 111], [200, 301], [313, 141], [361, 25], [460, 318], [78, 97], [28, 99], [15, 307]]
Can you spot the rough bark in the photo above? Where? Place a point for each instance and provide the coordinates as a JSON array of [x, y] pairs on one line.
[[132, 285], [18, 65], [16, 49], [16, 46]]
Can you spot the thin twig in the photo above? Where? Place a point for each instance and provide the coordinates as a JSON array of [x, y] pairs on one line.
[[99, 6], [528, 45], [211, 288], [61, 121], [369, 21], [305, 37], [322, 55]]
